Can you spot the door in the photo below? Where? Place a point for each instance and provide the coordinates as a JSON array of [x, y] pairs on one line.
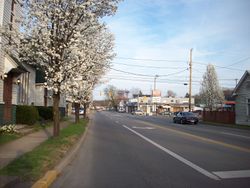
[[7, 98]]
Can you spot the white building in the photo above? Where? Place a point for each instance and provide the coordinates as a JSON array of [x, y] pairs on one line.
[[10, 68], [19, 83]]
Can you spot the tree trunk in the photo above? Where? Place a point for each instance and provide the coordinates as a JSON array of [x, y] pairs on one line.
[[85, 110], [77, 107], [56, 115]]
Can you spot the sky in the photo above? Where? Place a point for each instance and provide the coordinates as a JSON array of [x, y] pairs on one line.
[[154, 37]]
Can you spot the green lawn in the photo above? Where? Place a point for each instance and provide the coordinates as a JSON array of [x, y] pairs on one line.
[[34, 164], [4, 138]]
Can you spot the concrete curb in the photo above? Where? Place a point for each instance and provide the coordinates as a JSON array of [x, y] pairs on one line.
[[47, 180], [68, 158], [51, 175]]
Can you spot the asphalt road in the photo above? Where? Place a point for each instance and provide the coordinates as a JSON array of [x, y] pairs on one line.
[[122, 150]]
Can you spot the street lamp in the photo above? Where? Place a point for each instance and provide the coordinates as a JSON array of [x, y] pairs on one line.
[[190, 98], [156, 76]]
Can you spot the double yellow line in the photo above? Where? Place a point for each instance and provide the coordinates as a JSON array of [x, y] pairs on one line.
[[239, 148]]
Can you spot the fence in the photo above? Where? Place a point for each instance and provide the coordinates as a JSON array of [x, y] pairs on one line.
[[227, 117]]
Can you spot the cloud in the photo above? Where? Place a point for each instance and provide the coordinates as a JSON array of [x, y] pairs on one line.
[[219, 32]]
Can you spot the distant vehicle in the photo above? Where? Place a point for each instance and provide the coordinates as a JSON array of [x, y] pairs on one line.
[[185, 117], [138, 112], [81, 111], [166, 113], [175, 113], [121, 110]]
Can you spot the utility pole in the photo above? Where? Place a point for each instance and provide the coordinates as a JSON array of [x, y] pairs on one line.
[[190, 80]]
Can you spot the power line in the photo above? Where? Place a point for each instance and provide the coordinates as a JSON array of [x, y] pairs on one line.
[[143, 66], [165, 79], [162, 82], [228, 67], [237, 62], [147, 75], [150, 81], [141, 59], [201, 63], [234, 69]]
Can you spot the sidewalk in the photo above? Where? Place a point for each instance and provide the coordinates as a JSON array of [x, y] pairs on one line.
[[16, 148]]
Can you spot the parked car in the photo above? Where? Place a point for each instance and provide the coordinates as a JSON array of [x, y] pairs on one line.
[[175, 113], [138, 112], [166, 113], [121, 110], [185, 117], [81, 111]]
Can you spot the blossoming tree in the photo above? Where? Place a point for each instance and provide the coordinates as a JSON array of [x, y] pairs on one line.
[[58, 37], [99, 52], [210, 91]]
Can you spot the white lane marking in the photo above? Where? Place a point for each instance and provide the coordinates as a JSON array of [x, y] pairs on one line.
[[233, 174], [231, 134], [149, 128], [178, 157]]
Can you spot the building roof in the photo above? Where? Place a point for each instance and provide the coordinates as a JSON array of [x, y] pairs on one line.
[[247, 72], [19, 68]]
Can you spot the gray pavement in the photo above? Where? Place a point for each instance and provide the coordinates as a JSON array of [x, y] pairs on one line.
[[122, 150], [16, 148]]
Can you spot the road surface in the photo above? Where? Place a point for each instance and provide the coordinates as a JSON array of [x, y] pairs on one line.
[[122, 150]]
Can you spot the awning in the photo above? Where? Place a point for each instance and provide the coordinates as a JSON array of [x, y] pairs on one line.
[[12, 65]]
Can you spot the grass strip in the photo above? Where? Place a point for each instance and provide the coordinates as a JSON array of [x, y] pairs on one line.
[[226, 125], [4, 138], [34, 164]]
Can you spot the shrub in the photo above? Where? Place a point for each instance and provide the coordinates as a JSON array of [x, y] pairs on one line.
[[9, 129], [26, 114], [45, 113]]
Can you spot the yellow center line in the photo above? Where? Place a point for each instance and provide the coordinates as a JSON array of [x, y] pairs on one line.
[[199, 137]]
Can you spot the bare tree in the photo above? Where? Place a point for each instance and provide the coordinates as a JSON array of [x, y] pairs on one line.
[[170, 93], [228, 94], [211, 92], [135, 91], [111, 95]]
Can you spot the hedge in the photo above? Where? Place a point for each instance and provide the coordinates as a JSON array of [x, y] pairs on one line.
[[45, 113], [26, 114]]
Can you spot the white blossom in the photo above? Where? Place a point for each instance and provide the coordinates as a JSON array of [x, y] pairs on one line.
[[66, 39], [211, 93]]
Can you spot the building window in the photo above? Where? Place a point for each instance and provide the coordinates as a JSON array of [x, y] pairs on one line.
[[248, 107], [12, 15]]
